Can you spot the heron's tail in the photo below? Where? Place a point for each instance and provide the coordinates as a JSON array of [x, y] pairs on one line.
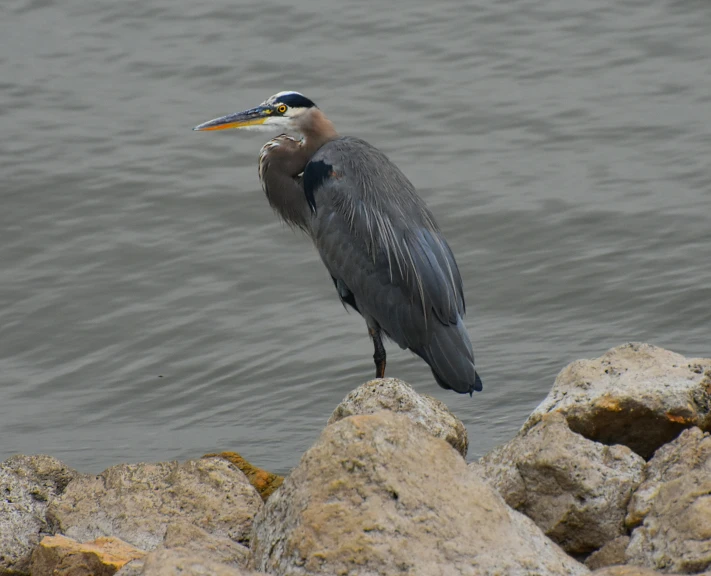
[[451, 358]]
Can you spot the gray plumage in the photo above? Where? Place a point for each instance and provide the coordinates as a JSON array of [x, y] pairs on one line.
[[378, 240]]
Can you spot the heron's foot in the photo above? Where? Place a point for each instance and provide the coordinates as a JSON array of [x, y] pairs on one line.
[[379, 356]]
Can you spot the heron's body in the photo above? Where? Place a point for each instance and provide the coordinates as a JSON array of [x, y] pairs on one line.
[[378, 240]]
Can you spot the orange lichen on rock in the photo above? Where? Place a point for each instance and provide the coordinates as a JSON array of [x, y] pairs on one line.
[[265, 482], [59, 555], [679, 419]]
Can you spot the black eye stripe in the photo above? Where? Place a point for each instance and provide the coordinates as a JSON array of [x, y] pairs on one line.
[[296, 101]]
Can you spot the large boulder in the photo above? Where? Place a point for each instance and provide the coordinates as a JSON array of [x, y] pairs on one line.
[[672, 508], [27, 486], [574, 489], [398, 396], [638, 395], [377, 494], [62, 556], [136, 502]]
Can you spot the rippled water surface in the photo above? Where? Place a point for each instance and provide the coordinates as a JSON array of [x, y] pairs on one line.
[[152, 307]]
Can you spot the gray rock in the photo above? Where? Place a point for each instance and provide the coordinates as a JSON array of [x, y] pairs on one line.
[[377, 494], [625, 571], [194, 540], [398, 396], [631, 571], [672, 509], [638, 395], [133, 568], [27, 485], [136, 502], [574, 489], [690, 451], [611, 554], [165, 562], [189, 541]]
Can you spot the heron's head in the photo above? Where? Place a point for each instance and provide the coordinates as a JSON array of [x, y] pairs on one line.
[[283, 111]]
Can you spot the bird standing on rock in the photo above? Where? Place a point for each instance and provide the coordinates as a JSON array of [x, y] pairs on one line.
[[385, 253]]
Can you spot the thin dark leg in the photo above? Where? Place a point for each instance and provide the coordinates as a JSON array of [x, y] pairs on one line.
[[379, 356]]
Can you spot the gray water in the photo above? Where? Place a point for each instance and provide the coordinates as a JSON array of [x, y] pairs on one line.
[[152, 307]]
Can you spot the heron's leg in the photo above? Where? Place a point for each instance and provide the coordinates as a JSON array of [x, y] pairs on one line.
[[379, 355]]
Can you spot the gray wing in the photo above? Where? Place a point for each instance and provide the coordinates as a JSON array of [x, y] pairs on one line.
[[381, 244]]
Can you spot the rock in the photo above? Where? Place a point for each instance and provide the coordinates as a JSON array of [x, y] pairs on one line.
[[62, 556], [397, 396], [133, 568], [625, 571], [264, 482], [574, 489], [672, 508], [631, 571], [165, 562], [611, 554], [136, 502], [691, 450], [636, 394], [377, 494], [193, 540], [27, 485]]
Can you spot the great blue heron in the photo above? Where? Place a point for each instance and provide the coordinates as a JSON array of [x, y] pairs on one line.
[[380, 243]]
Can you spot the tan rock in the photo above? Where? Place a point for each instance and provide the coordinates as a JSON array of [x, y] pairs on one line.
[[632, 571], [165, 562], [194, 540], [638, 395], [398, 396], [574, 489], [27, 485], [378, 495], [625, 571], [672, 509], [187, 540], [62, 556], [136, 502], [264, 482], [611, 554]]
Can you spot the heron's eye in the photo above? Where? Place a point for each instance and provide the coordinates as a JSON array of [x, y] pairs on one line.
[[281, 108]]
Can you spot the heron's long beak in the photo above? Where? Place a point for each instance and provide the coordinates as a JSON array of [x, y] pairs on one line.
[[252, 117]]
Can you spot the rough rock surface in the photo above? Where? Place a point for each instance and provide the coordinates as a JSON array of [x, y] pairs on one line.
[[625, 571], [574, 489], [164, 562], [398, 396], [27, 485], [377, 494], [62, 556], [136, 502], [638, 395], [264, 482], [672, 508], [632, 571], [611, 554], [193, 540]]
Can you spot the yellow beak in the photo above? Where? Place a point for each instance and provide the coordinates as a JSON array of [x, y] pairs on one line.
[[252, 117]]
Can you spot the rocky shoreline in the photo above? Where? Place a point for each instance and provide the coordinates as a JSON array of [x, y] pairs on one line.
[[610, 475]]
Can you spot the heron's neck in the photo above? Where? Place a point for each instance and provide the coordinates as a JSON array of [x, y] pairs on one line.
[[317, 130]]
